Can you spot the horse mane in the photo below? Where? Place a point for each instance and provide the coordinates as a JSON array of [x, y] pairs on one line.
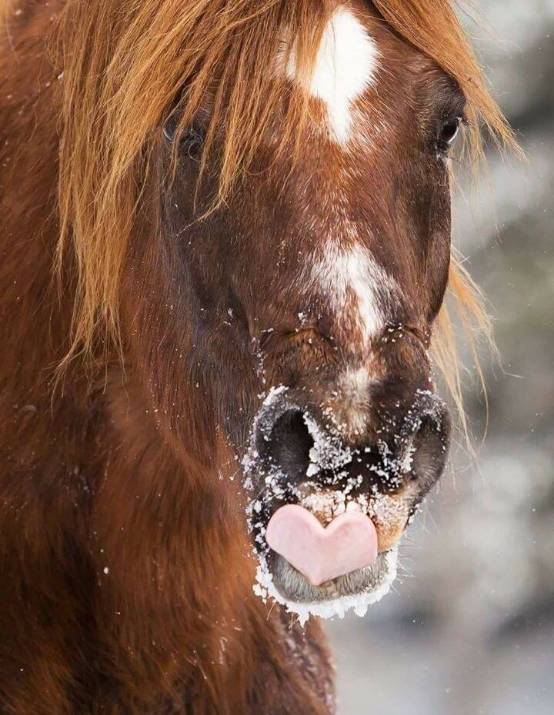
[[125, 62]]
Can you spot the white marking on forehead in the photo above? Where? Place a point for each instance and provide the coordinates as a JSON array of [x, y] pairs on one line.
[[345, 66], [343, 272]]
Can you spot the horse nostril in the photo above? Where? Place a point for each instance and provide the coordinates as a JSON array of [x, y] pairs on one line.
[[291, 445], [287, 444], [428, 444]]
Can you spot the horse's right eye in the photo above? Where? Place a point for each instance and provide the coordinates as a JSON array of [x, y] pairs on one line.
[[170, 128], [190, 141]]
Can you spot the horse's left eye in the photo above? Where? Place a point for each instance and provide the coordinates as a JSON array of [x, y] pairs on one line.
[[449, 130]]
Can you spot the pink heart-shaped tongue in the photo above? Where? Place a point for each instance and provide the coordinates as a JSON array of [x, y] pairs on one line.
[[348, 543]]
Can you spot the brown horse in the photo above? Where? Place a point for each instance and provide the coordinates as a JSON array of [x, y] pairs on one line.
[[225, 244]]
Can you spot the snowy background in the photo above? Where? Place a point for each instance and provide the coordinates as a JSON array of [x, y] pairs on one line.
[[469, 629]]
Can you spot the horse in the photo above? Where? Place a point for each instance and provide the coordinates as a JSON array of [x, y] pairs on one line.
[[225, 249]]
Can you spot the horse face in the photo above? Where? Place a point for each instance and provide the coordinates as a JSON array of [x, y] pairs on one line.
[[309, 300]]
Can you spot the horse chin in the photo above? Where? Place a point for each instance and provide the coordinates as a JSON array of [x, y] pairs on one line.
[[293, 586], [355, 591]]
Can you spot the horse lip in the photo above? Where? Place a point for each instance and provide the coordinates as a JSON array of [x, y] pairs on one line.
[[295, 587]]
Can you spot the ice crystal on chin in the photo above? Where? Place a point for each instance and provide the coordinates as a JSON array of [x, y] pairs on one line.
[[333, 608]]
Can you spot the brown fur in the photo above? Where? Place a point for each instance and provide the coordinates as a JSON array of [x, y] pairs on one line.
[[113, 535]]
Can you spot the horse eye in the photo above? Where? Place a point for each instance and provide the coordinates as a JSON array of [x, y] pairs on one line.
[[170, 128], [448, 133], [190, 141]]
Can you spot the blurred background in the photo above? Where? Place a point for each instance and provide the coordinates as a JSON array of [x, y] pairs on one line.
[[469, 628]]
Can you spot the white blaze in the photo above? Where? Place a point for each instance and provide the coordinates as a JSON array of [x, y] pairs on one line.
[[345, 66]]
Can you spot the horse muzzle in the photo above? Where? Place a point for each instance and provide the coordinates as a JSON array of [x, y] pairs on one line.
[[326, 512]]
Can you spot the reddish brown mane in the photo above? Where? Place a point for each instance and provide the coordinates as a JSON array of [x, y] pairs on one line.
[[81, 103]]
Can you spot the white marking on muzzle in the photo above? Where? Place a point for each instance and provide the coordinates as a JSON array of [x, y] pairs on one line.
[[353, 384], [343, 273], [345, 67]]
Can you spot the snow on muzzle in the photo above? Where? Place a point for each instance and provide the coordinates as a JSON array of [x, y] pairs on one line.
[[326, 507]]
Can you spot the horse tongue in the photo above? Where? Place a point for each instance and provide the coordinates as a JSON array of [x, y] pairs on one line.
[[348, 543]]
